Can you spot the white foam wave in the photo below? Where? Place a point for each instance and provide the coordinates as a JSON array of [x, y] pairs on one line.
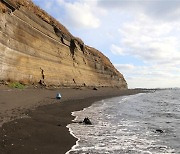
[[77, 142], [118, 127]]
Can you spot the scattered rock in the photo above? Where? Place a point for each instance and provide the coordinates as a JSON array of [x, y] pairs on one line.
[[74, 81], [86, 121], [36, 86], [159, 131], [95, 88], [77, 88], [42, 83], [6, 83]]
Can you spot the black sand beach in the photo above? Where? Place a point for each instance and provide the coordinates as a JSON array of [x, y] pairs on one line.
[[44, 130]]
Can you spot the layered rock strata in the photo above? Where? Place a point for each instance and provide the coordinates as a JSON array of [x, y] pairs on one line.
[[36, 49]]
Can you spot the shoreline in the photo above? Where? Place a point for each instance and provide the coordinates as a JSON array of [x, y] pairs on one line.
[[45, 131], [71, 132]]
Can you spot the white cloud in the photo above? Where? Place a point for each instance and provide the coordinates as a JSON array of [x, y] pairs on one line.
[[48, 5], [154, 76], [155, 82], [150, 40], [124, 67], [116, 50], [157, 9], [81, 14]]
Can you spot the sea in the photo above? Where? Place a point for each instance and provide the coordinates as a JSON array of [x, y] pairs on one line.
[[145, 123]]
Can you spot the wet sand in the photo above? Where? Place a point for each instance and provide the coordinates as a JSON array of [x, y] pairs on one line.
[[35, 122]]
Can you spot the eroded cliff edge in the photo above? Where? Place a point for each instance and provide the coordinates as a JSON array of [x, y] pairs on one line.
[[35, 48]]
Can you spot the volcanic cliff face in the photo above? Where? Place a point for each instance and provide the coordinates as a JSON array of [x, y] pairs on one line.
[[35, 48]]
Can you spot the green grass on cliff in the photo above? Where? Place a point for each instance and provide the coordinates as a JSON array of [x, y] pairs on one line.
[[16, 85]]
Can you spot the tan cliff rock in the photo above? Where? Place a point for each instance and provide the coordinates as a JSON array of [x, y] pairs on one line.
[[35, 48]]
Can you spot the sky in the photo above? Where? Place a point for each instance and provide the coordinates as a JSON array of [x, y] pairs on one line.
[[140, 37]]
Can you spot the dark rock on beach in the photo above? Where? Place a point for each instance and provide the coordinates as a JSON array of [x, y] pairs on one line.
[[86, 121], [159, 131]]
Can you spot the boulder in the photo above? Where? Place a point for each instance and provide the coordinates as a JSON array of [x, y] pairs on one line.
[[86, 121], [159, 131]]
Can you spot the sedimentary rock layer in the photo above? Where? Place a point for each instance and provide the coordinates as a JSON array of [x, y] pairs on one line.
[[36, 50]]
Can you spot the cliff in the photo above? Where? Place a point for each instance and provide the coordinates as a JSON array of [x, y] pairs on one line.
[[35, 48]]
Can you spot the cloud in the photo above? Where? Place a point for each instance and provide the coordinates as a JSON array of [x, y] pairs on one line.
[[48, 5], [164, 10], [124, 67], [80, 14], [155, 82], [116, 50], [154, 76], [157, 9], [149, 40]]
